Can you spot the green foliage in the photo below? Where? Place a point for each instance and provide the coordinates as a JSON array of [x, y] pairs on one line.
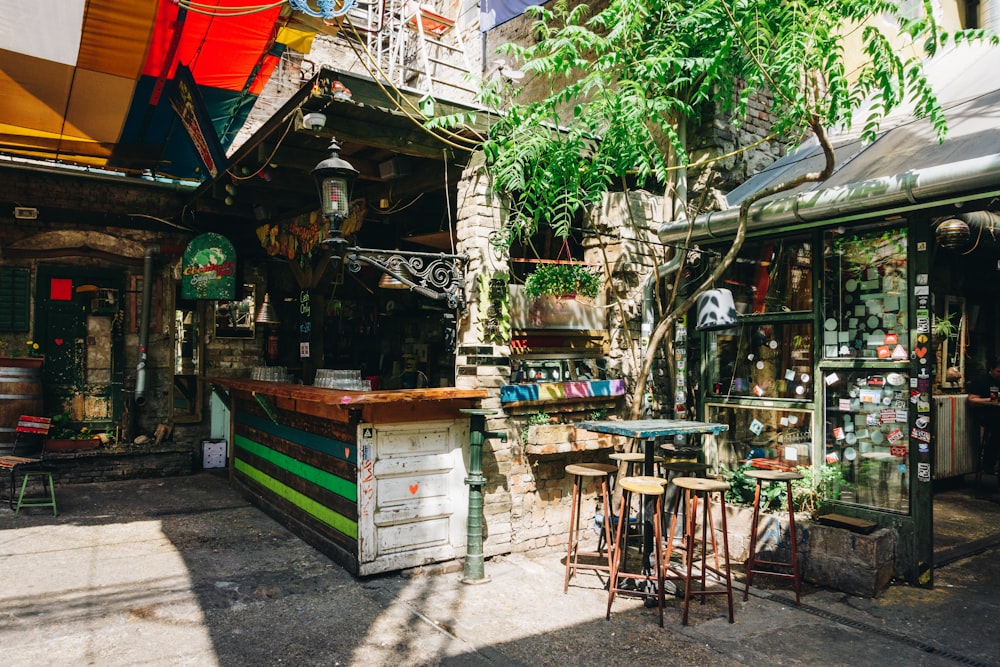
[[63, 428], [538, 418], [622, 82], [560, 279], [818, 485]]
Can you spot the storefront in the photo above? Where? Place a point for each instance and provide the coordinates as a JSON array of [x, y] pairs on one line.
[[836, 359]]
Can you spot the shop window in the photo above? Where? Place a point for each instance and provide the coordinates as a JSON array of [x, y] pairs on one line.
[[761, 360], [867, 413], [772, 276], [865, 300], [764, 437], [15, 299]]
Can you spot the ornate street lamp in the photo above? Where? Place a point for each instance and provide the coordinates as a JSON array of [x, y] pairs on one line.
[[335, 178], [437, 276]]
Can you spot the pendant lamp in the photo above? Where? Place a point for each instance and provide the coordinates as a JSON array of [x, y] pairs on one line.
[[716, 310]]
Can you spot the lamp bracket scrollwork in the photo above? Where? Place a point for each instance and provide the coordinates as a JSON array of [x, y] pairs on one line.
[[437, 276]]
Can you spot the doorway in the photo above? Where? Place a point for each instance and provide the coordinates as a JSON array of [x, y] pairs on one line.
[[79, 324]]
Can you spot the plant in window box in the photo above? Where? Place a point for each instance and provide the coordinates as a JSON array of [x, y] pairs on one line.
[[27, 355], [65, 435], [562, 280]]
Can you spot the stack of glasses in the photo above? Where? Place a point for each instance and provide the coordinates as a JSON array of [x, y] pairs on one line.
[[341, 379], [270, 374]]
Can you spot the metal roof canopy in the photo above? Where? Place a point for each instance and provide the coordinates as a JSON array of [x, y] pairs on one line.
[[905, 169]]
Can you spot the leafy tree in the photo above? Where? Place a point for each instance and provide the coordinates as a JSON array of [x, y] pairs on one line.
[[621, 85]]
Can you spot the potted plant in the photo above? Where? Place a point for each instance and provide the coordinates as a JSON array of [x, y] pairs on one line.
[[28, 356], [64, 435], [562, 280]]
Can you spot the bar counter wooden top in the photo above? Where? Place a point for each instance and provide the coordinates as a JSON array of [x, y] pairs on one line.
[[344, 398], [380, 407]]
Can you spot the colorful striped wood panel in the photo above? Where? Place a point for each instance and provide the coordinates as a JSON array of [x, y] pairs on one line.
[[304, 467]]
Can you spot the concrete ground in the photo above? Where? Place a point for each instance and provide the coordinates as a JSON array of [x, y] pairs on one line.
[[184, 571]]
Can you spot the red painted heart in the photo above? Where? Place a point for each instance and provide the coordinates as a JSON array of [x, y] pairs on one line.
[[59, 341], [413, 488]]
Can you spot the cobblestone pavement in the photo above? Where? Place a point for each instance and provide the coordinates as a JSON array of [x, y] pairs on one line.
[[183, 571]]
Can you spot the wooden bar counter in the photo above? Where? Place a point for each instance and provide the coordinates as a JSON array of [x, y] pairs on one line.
[[374, 479]]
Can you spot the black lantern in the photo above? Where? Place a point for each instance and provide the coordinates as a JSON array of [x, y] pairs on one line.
[[434, 275], [334, 177]]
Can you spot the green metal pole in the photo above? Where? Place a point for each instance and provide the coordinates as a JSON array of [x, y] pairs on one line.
[[474, 572]]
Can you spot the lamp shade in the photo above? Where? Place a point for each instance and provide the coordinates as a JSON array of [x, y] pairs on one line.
[[716, 310], [334, 177], [390, 282], [953, 234], [266, 314]]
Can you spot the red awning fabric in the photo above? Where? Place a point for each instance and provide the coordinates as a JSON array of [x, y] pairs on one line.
[[85, 81]]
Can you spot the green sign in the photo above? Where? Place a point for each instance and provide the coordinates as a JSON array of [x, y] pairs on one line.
[[209, 268]]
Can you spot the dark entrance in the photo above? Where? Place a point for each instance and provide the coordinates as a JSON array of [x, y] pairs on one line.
[[79, 319]]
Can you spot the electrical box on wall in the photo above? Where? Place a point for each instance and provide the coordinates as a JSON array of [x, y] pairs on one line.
[[213, 454]]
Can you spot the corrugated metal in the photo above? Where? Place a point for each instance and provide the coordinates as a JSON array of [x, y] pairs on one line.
[[955, 437]]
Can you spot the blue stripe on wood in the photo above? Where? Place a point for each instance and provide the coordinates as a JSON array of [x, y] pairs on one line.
[[315, 509], [342, 450], [321, 478]]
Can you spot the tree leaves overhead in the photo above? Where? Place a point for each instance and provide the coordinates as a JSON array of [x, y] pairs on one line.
[[617, 83]]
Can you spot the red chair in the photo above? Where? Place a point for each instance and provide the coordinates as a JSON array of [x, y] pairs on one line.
[[26, 458]]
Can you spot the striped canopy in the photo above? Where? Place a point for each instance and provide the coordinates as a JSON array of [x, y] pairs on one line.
[[87, 82]]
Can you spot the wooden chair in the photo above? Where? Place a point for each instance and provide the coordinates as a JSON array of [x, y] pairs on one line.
[[26, 458]]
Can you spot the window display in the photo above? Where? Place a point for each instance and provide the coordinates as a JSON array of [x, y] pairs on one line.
[[762, 360], [768, 438], [867, 434], [772, 276], [866, 296]]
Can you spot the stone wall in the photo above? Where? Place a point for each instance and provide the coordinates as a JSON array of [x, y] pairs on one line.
[[119, 463]]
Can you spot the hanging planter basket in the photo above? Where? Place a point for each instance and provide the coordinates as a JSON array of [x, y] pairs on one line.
[[562, 281]]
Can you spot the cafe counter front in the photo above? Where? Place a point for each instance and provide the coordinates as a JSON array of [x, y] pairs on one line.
[[374, 479]]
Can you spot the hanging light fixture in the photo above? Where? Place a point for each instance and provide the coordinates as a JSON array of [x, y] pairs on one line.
[[436, 276], [716, 310], [954, 234], [391, 282], [266, 314]]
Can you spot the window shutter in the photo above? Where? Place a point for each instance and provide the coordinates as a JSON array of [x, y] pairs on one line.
[[15, 299]]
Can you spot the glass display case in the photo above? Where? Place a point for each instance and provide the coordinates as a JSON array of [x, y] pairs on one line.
[[766, 437], [762, 360], [867, 435], [865, 304]]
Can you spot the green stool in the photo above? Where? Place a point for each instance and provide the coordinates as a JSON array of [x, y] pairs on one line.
[[37, 501]]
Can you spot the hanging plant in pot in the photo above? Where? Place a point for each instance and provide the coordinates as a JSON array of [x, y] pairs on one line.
[[562, 281]]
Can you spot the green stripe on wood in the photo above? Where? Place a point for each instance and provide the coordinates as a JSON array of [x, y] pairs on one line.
[[342, 450], [320, 512], [321, 478]]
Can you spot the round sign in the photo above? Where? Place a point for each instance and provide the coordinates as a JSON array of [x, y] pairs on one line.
[[850, 453], [851, 285]]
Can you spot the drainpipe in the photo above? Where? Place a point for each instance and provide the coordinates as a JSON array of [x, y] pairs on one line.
[[147, 295]]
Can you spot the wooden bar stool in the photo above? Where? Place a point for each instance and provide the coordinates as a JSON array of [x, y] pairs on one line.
[[772, 476], [649, 489], [679, 468], [580, 472], [634, 462], [695, 488]]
